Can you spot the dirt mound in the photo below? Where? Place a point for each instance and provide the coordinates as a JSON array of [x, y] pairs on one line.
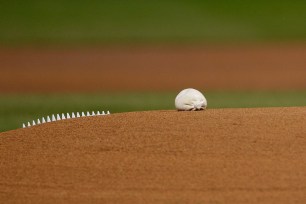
[[225, 155]]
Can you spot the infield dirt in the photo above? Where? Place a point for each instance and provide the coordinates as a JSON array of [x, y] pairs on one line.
[[213, 156], [153, 68]]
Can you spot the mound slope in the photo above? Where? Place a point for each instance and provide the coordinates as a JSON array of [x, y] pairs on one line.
[[225, 155]]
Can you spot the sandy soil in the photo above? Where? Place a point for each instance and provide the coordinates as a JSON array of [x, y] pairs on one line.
[[213, 156], [138, 68]]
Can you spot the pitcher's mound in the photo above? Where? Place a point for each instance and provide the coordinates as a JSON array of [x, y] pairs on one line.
[[214, 156]]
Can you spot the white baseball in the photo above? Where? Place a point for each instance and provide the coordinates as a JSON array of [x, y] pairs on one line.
[[190, 100]]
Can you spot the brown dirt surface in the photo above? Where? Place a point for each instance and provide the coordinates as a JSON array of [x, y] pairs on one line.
[[156, 68], [214, 156]]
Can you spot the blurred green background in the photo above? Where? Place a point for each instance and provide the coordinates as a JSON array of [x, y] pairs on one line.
[[69, 23], [128, 21]]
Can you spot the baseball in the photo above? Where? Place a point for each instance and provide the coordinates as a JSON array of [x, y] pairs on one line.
[[190, 100]]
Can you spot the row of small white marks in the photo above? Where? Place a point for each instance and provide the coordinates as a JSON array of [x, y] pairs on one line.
[[63, 116]]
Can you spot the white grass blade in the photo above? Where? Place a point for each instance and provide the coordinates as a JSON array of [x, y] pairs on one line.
[[93, 113], [43, 120], [48, 119], [58, 117], [72, 115], [53, 118], [83, 114], [29, 124], [23, 125], [98, 113], [78, 115], [63, 116], [103, 113], [68, 116], [88, 114], [38, 122], [108, 113], [33, 123]]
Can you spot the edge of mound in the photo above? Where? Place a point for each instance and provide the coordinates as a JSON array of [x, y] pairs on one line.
[[207, 114]]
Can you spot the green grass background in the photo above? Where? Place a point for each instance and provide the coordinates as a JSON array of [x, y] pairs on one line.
[[132, 21], [18, 109], [102, 22]]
